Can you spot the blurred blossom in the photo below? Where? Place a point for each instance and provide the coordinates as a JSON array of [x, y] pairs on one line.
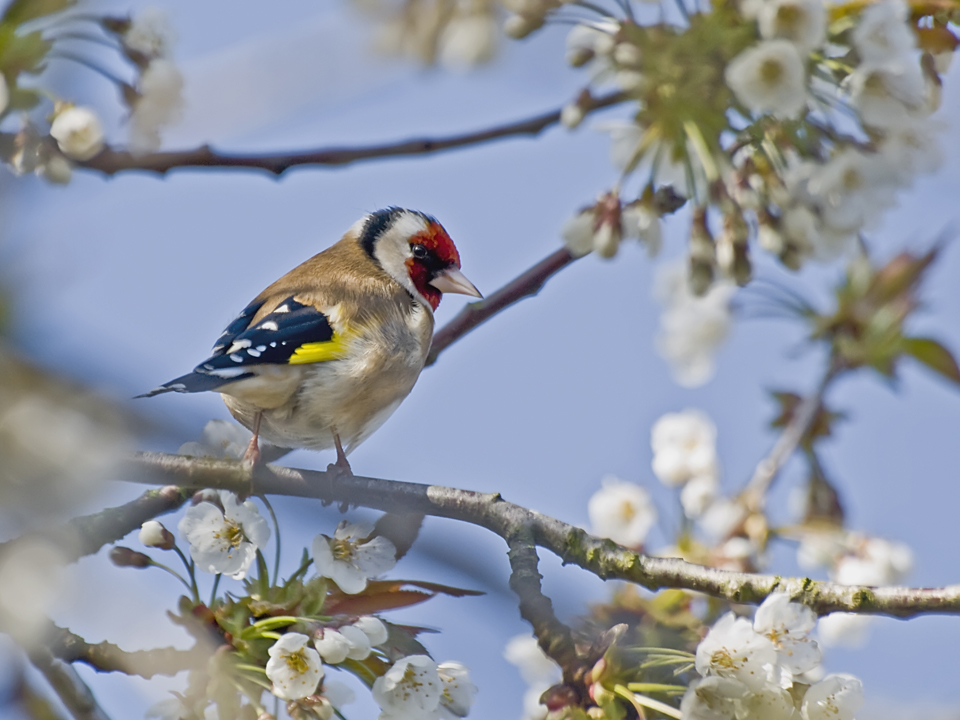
[[538, 670], [698, 494], [224, 540], [692, 328], [787, 625], [684, 447], [350, 559], [769, 78], [469, 39], [150, 33], [220, 439], [621, 511], [848, 630], [59, 441], [294, 668], [31, 581], [721, 518], [159, 104], [78, 132], [874, 562], [883, 35], [4, 94], [802, 22]]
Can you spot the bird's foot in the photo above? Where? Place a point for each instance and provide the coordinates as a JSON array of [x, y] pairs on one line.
[[252, 455], [341, 466]]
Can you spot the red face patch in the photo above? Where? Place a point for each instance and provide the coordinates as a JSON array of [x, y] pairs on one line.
[[441, 254]]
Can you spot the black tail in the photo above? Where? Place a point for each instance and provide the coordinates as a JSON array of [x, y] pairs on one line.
[[193, 382]]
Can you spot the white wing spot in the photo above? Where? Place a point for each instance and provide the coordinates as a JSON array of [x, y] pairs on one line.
[[236, 358], [228, 372], [273, 344], [253, 353], [282, 308], [261, 348], [269, 325]]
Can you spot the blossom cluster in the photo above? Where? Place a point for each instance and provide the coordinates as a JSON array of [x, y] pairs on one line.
[[767, 668], [76, 133], [226, 535], [800, 136]]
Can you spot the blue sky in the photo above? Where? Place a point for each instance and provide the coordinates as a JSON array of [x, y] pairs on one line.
[[125, 282]]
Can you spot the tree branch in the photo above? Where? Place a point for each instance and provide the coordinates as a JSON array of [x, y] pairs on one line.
[[107, 657], [554, 637], [69, 686], [603, 558], [86, 535], [527, 284], [111, 162]]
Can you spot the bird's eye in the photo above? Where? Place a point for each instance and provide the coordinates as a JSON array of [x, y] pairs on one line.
[[420, 252]]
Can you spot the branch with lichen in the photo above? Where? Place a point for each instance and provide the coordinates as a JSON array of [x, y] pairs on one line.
[[571, 544], [110, 161], [68, 685]]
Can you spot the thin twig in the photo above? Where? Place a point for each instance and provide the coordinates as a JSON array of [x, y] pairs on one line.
[[68, 685], [86, 535], [525, 285], [571, 544], [111, 161], [804, 416], [107, 657]]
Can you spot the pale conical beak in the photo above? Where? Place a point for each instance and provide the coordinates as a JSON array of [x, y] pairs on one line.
[[452, 280]]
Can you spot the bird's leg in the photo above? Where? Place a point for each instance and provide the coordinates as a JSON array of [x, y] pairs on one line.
[[252, 455], [341, 465]]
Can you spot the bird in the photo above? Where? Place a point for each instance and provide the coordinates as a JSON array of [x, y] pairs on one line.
[[323, 356]]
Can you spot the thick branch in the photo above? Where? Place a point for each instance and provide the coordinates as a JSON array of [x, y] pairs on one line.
[[111, 162], [554, 637], [107, 657], [525, 285], [86, 535], [603, 558], [69, 686]]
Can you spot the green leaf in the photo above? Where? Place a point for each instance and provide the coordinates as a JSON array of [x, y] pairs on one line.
[[21, 53], [934, 355], [23, 99], [20, 11]]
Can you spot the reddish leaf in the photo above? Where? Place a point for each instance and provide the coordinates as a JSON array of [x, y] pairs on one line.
[[367, 604], [934, 355]]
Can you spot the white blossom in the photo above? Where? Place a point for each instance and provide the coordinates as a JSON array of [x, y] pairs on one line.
[[219, 439], [4, 94], [713, 698], [698, 494], [160, 103], [332, 645], [733, 650], [876, 562], [640, 222], [168, 709], [294, 667], [787, 624], [722, 517], [836, 697], [802, 22], [458, 691], [538, 670], [625, 138], [78, 132], [887, 95], [882, 35], [374, 629], [769, 78], [572, 115], [224, 541], [468, 39], [349, 559], [410, 690], [849, 630], [621, 511], [338, 693], [31, 581], [55, 169], [577, 233], [692, 328], [150, 33], [913, 149], [770, 702], [684, 447]]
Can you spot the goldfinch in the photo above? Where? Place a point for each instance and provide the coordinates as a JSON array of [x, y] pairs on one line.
[[323, 356]]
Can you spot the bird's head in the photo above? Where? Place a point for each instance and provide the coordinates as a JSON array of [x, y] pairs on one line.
[[415, 250]]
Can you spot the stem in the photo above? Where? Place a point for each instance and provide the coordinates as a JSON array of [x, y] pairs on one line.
[[80, 60], [213, 592], [276, 526], [642, 701], [173, 572]]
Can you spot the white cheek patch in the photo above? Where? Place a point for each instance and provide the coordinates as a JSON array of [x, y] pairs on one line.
[[392, 249]]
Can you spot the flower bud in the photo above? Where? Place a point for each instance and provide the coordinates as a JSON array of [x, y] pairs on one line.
[[154, 534], [78, 132], [519, 26], [125, 557]]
